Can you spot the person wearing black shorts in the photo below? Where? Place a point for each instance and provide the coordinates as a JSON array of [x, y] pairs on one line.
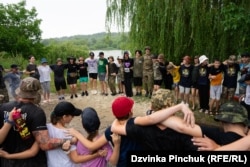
[[59, 79]]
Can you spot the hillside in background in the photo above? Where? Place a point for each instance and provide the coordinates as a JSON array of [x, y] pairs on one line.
[[98, 41]]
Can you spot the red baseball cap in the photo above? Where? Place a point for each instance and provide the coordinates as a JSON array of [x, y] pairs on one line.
[[122, 106]]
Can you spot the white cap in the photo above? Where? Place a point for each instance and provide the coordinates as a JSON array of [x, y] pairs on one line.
[[202, 58]]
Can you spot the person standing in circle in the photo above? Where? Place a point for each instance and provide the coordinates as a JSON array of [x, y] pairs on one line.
[[93, 71], [72, 76], [103, 73], [31, 68]]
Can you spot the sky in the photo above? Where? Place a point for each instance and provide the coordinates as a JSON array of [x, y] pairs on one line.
[[62, 18]]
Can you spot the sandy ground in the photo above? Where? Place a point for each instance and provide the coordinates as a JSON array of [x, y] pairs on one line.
[[102, 104]]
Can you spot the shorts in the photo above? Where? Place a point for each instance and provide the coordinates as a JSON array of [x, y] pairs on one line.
[[102, 76], [137, 81], [185, 90], [83, 79], [228, 92], [215, 92], [60, 85], [93, 75], [46, 86], [175, 85], [71, 80]]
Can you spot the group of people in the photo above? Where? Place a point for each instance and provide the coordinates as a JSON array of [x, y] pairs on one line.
[[39, 143]]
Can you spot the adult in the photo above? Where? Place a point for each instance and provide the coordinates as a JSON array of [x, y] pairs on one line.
[[72, 75], [31, 68], [4, 96], [59, 78], [103, 73], [137, 72], [35, 119], [93, 71], [128, 65], [148, 72], [44, 72]]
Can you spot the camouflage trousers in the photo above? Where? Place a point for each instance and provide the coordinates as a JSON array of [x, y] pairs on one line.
[[148, 81], [4, 96]]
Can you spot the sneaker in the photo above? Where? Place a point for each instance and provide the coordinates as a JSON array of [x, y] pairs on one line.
[[83, 93], [201, 110], [106, 94], [206, 111], [76, 96], [63, 98], [113, 94], [86, 93], [71, 96]]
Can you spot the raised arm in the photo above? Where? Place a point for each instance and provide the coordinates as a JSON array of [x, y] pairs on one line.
[[91, 145], [163, 114], [180, 126], [22, 155]]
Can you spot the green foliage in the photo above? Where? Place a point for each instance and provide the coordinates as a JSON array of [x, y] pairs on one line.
[[175, 27], [19, 30]]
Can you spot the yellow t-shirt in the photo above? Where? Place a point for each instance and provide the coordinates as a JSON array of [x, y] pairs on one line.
[[176, 74]]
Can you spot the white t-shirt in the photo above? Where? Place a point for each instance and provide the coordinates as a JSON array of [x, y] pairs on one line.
[[44, 72], [92, 65], [57, 157]]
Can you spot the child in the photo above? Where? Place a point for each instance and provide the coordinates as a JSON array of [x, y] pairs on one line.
[[174, 71], [91, 123], [83, 74], [120, 75], [62, 115], [14, 78], [216, 77]]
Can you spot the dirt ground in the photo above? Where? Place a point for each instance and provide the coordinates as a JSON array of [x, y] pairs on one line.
[[102, 104]]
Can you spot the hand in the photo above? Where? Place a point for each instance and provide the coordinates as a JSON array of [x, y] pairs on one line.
[[73, 140], [103, 152], [116, 138], [4, 154], [204, 143], [13, 111], [66, 145], [188, 115], [72, 132]]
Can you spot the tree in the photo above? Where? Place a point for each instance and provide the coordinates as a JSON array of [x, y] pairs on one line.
[[217, 28], [19, 30]]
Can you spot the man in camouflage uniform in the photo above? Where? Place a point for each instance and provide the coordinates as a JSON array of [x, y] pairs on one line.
[[4, 96], [148, 72]]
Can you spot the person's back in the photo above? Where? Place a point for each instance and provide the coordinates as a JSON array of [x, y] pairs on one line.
[[14, 143], [153, 138]]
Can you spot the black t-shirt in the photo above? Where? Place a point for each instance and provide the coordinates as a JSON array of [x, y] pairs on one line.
[[154, 139], [203, 75], [186, 76], [33, 67], [83, 69], [35, 120], [125, 146], [218, 135], [72, 68], [58, 71], [231, 75]]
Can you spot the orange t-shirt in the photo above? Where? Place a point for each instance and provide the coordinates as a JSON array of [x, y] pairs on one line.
[[217, 80]]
